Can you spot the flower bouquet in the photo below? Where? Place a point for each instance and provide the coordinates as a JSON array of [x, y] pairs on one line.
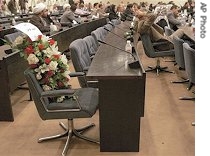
[[49, 65]]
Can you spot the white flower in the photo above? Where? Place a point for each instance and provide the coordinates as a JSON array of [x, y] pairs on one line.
[[46, 87], [53, 65], [18, 40], [50, 51], [66, 74], [64, 59], [38, 76], [43, 68], [60, 99], [32, 59]]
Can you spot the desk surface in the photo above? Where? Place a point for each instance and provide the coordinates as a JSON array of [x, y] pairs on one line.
[[110, 62]]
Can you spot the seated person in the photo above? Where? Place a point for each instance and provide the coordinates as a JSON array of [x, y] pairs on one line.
[[172, 17], [112, 12], [68, 15], [128, 13], [156, 33], [100, 11], [40, 12]]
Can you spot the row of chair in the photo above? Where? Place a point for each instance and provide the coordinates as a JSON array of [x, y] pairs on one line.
[[83, 50]]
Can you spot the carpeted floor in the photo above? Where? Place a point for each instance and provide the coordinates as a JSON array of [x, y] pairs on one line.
[[165, 130]]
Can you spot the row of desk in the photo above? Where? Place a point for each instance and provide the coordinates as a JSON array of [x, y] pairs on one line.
[[12, 66]]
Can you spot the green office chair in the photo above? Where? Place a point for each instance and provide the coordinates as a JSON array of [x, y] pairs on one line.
[[82, 103]]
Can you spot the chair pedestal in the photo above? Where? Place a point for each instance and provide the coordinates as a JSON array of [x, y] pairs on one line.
[[158, 68], [69, 132]]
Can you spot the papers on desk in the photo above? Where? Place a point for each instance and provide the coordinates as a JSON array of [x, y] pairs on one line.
[[29, 29]]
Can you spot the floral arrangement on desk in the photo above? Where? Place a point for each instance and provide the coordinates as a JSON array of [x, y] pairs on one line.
[[49, 65]]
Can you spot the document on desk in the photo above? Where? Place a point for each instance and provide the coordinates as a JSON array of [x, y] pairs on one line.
[[29, 29]]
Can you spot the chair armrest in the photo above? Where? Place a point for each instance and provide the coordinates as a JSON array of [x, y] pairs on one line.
[[86, 68], [76, 74], [56, 93], [159, 43]]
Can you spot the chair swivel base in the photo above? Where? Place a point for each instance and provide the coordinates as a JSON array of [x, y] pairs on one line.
[[186, 98], [181, 81], [69, 132], [158, 69]]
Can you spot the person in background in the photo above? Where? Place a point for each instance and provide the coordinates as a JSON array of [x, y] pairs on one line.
[[172, 17], [112, 12], [68, 15], [22, 4], [146, 25], [128, 13], [100, 11], [12, 7], [94, 9], [4, 10], [40, 12], [120, 10]]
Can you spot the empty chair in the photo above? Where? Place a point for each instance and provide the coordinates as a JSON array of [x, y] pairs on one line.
[[91, 44], [152, 53], [81, 60], [99, 34], [116, 21], [82, 103], [179, 56], [109, 27], [168, 31], [189, 58]]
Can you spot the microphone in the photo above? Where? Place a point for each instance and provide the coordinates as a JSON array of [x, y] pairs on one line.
[[132, 64], [115, 34]]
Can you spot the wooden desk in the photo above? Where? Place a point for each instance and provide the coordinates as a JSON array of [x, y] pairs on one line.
[[12, 67], [121, 96]]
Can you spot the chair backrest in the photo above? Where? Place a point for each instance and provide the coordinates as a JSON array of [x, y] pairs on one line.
[[11, 37], [116, 21], [36, 91], [189, 58], [80, 58], [91, 44], [109, 27], [99, 34], [178, 48], [149, 48], [168, 31]]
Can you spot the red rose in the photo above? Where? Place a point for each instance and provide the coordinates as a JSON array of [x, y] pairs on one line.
[[41, 46], [51, 41], [60, 84], [47, 60], [29, 50], [39, 37], [32, 66], [50, 73], [56, 56], [46, 80]]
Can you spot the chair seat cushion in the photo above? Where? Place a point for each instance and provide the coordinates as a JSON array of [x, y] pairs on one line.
[[87, 98]]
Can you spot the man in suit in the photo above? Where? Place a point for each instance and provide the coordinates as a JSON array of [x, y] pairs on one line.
[[172, 17], [68, 15], [146, 25]]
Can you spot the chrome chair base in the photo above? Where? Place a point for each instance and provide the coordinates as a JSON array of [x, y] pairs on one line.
[[69, 132], [186, 98], [182, 81], [193, 123], [158, 69]]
